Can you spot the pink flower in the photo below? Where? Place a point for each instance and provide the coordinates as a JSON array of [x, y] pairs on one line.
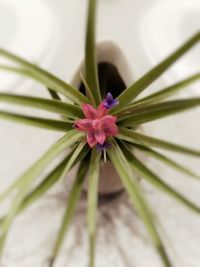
[[97, 123]]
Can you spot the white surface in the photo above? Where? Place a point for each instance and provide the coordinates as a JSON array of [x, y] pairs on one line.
[[122, 239], [30, 29]]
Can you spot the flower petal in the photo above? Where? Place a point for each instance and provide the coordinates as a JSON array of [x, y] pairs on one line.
[[109, 97], [99, 136], [109, 102], [89, 111], [108, 125], [83, 124], [110, 130], [101, 111], [114, 103], [91, 139], [108, 119]]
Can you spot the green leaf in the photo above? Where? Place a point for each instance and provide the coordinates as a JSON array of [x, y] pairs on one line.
[[147, 113], [42, 103], [137, 138], [29, 178], [40, 190], [90, 52], [70, 209], [167, 161], [93, 175], [45, 185], [27, 74], [51, 179], [48, 182], [24, 72], [168, 91], [48, 79], [49, 124], [73, 158], [88, 90], [123, 168], [138, 167], [141, 84]]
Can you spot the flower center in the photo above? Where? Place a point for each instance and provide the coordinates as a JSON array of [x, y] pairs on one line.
[[96, 124]]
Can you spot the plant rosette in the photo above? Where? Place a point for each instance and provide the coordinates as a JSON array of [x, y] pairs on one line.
[[99, 126], [93, 123]]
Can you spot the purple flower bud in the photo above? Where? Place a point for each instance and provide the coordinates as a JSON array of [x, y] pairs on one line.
[[100, 147], [109, 102]]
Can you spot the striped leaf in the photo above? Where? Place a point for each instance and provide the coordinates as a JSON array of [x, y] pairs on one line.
[[45, 185], [90, 52], [55, 125], [93, 175], [137, 138], [146, 113], [29, 177], [140, 85], [138, 167], [166, 160], [43, 76], [123, 168], [88, 91], [170, 90], [54, 106], [71, 204]]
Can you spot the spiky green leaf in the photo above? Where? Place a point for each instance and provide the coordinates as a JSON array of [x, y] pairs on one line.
[[36, 73], [90, 52], [55, 125], [43, 104], [138, 167], [141, 84], [168, 91], [167, 161], [70, 209], [93, 178], [45, 185], [30, 176], [137, 138], [146, 113], [123, 168], [88, 90]]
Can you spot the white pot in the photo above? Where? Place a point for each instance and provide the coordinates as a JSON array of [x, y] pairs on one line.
[[109, 180]]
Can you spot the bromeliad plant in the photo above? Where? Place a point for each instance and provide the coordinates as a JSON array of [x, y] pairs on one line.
[[92, 125]]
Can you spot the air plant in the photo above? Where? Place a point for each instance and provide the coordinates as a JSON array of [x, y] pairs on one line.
[[92, 123]]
